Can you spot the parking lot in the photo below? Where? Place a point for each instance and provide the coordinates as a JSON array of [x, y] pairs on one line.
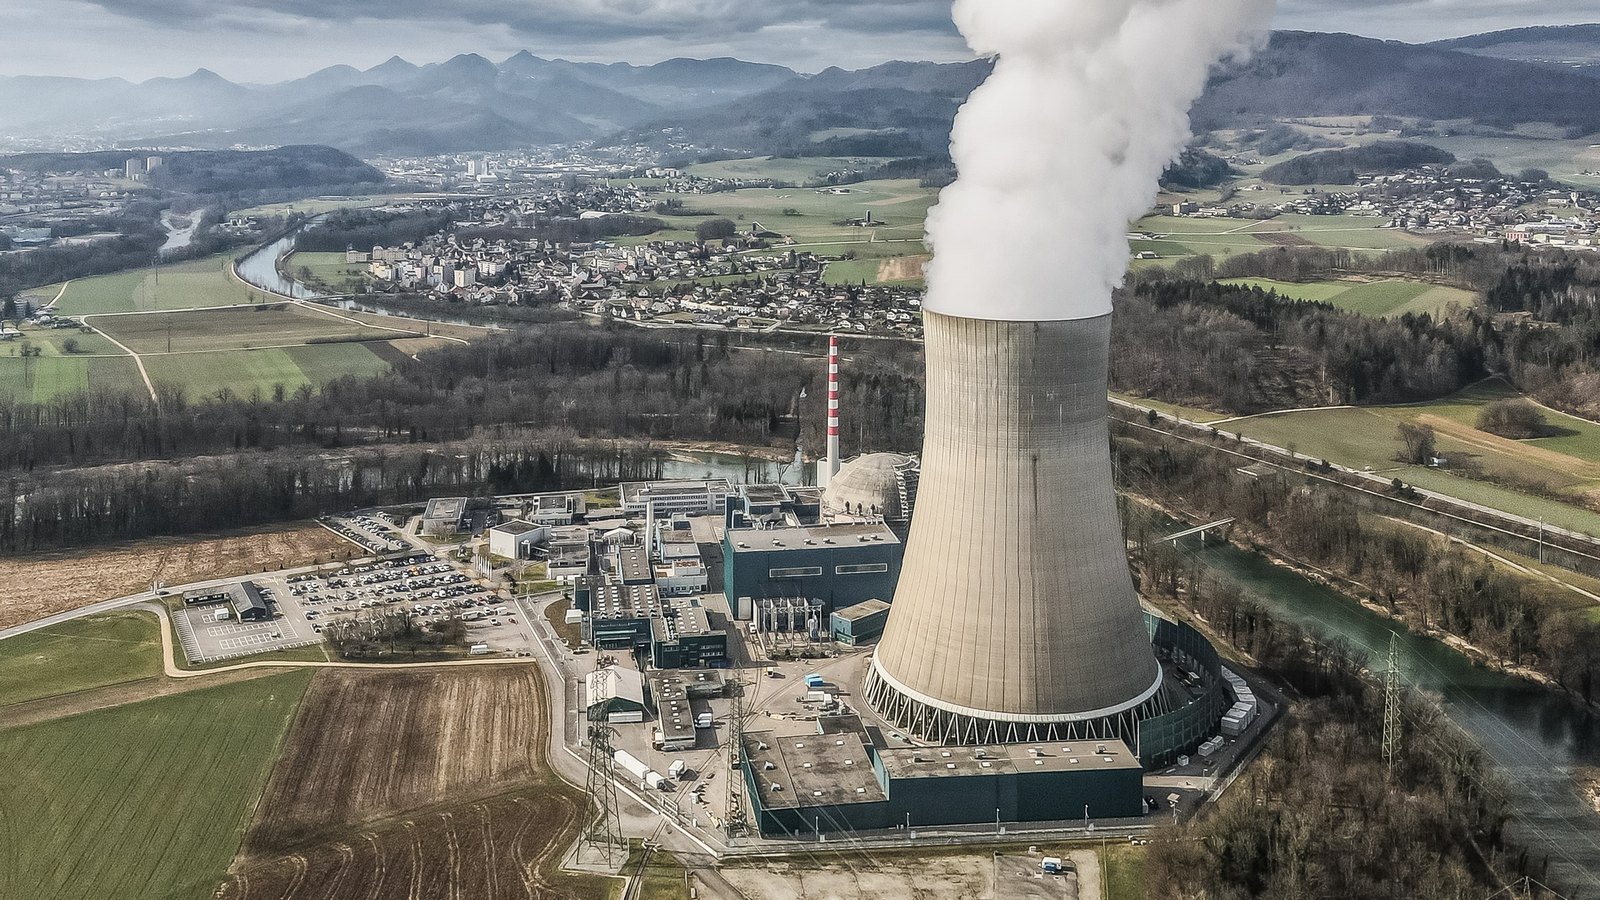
[[417, 584], [207, 638], [375, 533]]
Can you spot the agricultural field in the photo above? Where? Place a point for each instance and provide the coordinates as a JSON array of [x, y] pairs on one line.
[[79, 655], [187, 285], [798, 169], [318, 205], [44, 378], [243, 373], [68, 580], [242, 328], [371, 744], [144, 800], [1378, 298], [1478, 464], [459, 753], [1177, 236], [503, 848]]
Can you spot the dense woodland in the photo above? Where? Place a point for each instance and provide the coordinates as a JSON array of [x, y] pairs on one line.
[[1319, 815], [1410, 573]]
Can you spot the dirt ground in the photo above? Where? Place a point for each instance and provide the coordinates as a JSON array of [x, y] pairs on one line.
[[368, 745], [507, 848], [902, 268], [952, 876], [57, 582], [414, 784]]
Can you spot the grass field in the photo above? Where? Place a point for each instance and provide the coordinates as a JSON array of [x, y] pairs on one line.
[[1386, 297], [1178, 237], [78, 655], [144, 800], [329, 269], [201, 282], [243, 373], [45, 378], [242, 328], [1567, 462], [798, 170]]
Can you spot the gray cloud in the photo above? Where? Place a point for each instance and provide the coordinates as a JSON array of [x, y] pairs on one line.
[[271, 40]]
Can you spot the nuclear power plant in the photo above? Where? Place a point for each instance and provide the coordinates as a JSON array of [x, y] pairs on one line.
[[1015, 618], [1016, 676]]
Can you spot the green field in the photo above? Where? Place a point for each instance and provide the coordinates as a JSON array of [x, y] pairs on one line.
[[1388, 297], [146, 800], [244, 372], [798, 170], [241, 328], [48, 377], [1567, 462], [198, 283], [78, 655], [329, 269]]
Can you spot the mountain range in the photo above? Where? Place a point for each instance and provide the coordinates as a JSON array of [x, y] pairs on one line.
[[896, 109]]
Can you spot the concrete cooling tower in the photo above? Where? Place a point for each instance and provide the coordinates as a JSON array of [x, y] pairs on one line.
[[1015, 618]]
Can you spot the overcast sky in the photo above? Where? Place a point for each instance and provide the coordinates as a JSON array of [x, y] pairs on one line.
[[274, 40]]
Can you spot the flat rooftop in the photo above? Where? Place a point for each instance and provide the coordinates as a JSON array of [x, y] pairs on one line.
[[676, 715], [1007, 759], [811, 770], [640, 491], [445, 508], [691, 622], [625, 601], [861, 610], [767, 540]]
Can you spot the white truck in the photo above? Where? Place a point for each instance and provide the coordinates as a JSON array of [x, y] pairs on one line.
[[479, 650]]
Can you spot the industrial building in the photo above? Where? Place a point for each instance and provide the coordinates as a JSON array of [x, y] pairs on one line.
[[672, 498], [444, 516], [517, 539], [873, 486], [837, 780], [841, 565], [861, 623], [615, 694]]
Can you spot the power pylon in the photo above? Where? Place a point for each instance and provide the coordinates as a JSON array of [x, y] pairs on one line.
[[1391, 706], [605, 831], [735, 824]]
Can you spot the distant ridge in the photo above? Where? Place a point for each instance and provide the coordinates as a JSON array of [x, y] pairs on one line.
[[899, 108]]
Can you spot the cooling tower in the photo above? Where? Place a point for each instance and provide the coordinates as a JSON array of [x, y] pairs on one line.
[[1015, 618]]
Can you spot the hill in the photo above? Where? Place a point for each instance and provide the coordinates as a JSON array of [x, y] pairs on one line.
[[1342, 166], [894, 109], [1303, 74], [218, 171], [1572, 47]]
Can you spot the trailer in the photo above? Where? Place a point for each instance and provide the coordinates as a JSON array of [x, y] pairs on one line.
[[630, 764]]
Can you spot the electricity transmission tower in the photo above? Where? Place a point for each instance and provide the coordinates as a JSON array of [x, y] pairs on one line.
[[605, 832], [1391, 706], [734, 825]]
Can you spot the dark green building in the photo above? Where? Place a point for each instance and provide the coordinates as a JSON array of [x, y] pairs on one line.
[[841, 565]]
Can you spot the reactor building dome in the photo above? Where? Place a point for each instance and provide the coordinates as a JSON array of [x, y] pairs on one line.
[[1015, 618], [880, 485]]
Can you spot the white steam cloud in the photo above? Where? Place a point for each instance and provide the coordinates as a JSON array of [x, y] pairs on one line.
[[1065, 144]]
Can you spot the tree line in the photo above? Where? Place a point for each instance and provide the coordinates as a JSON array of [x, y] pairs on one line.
[[1416, 576]]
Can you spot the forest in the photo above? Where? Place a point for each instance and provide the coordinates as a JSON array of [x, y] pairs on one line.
[[1319, 814], [1413, 575]]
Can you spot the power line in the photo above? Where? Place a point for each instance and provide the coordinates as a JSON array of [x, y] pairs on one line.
[[605, 832]]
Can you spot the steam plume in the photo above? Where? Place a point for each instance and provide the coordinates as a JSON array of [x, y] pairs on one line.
[[1064, 144]]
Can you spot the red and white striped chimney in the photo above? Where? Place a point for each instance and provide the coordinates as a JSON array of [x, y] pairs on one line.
[[830, 464]]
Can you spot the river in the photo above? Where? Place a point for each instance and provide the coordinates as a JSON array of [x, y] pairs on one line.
[[1537, 738], [260, 268], [179, 235], [696, 465]]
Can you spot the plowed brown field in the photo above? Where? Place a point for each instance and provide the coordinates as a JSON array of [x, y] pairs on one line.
[[57, 582], [415, 785]]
